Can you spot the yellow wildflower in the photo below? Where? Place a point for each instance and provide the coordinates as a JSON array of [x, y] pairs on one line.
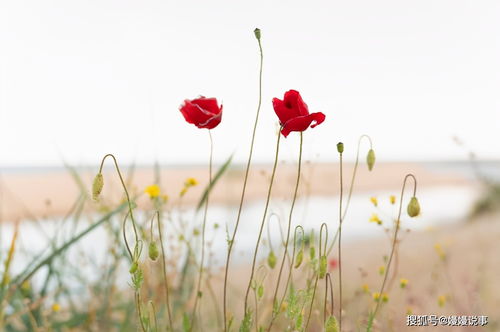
[[374, 201], [403, 282], [392, 199], [153, 191], [409, 311], [190, 182], [385, 297], [365, 288], [439, 251], [375, 218], [441, 300], [376, 296], [56, 307], [381, 270]]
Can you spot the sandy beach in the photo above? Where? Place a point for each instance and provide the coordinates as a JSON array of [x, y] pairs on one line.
[[41, 193]]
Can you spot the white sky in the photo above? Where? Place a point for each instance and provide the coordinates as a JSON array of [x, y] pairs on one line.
[[79, 79]]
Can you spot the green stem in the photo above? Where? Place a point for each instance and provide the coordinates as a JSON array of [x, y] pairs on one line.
[[249, 161], [165, 280], [200, 272], [340, 246], [297, 182], [394, 241], [351, 187], [268, 198]]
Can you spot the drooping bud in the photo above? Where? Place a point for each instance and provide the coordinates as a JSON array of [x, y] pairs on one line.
[[260, 291], [257, 33], [413, 207], [340, 147], [322, 266], [153, 251], [271, 259], [331, 324], [97, 186], [299, 258], [133, 267], [370, 159]]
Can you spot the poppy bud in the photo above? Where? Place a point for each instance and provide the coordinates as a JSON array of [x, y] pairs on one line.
[[331, 324], [97, 186], [322, 266], [133, 267], [271, 260], [299, 258], [413, 207], [260, 291], [257, 33], [370, 159], [153, 251], [340, 147]]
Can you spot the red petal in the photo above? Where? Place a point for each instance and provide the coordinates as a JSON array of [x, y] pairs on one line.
[[195, 114], [208, 104], [294, 98], [301, 123]]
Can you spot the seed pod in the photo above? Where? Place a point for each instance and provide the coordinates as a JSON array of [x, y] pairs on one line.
[[322, 266], [133, 267], [153, 251], [257, 33], [299, 258], [413, 207], [340, 147], [97, 186], [271, 259], [370, 159], [260, 291], [331, 324]]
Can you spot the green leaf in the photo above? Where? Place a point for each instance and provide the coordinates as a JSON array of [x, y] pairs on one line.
[[210, 186]]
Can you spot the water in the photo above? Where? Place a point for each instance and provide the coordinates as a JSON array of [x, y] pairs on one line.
[[440, 205]]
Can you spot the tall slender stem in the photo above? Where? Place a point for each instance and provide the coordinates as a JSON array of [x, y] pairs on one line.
[[340, 245], [394, 241], [351, 187], [299, 168], [263, 220], [165, 280], [200, 272], [249, 161]]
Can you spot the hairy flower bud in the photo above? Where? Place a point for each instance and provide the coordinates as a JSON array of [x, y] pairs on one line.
[[331, 324], [133, 267], [413, 207], [271, 259], [322, 266], [97, 186], [299, 258], [340, 147], [260, 291], [257, 33], [153, 251], [370, 159]]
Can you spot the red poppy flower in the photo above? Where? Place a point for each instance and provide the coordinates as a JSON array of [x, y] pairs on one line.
[[332, 264], [202, 112], [294, 114]]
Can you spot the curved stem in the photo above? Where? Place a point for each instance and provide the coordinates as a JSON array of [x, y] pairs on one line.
[[328, 282], [321, 251], [340, 245], [200, 271], [165, 280], [263, 220], [233, 237], [289, 225], [124, 189], [394, 241]]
